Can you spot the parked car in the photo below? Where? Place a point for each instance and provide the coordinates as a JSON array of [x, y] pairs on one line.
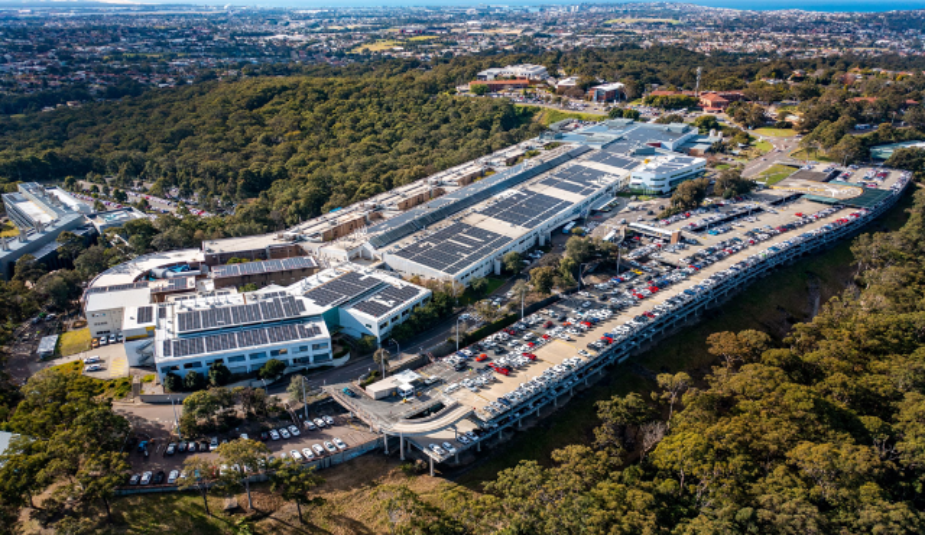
[[318, 449], [339, 443], [328, 420], [294, 430], [296, 455], [437, 449], [283, 432], [159, 478], [274, 434], [146, 478], [171, 449], [308, 453], [330, 447], [310, 425], [134, 479], [93, 360], [213, 444], [449, 447], [172, 478], [319, 422]]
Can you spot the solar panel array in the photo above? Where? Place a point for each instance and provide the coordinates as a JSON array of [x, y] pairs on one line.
[[118, 287], [614, 160], [274, 309], [437, 210], [454, 248], [214, 343], [145, 314], [525, 208], [266, 266], [576, 179], [172, 285], [343, 288], [389, 299]]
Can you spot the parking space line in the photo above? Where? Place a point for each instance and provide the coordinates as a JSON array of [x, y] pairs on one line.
[[118, 366]]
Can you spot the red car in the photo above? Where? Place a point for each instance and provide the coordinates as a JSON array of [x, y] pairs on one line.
[[481, 358], [500, 369], [530, 356]]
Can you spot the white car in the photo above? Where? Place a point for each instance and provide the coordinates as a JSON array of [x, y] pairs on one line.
[[437, 449], [308, 453], [146, 478], [296, 455], [339, 443], [284, 433], [330, 447], [93, 368], [294, 430], [213, 444], [319, 422], [318, 449], [449, 447], [328, 420], [274, 434], [93, 360]]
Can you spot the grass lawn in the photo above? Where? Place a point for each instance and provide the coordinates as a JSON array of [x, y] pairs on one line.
[[722, 167], [114, 388], [469, 297], [775, 132], [9, 230], [145, 513], [423, 38], [548, 116], [763, 147], [770, 305], [775, 174], [810, 154], [73, 342], [378, 46]]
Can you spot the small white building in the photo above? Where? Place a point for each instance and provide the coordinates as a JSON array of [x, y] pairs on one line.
[[104, 306]]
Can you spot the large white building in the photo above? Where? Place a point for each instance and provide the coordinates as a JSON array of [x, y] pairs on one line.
[[531, 72], [663, 172]]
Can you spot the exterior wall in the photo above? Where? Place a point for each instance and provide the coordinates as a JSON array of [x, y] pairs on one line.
[[265, 253], [105, 322], [33, 243], [283, 278], [422, 197], [316, 352], [664, 182], [357, 324], [343, 229]]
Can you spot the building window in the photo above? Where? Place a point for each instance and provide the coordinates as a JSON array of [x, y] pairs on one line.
[[323, 345], [257, 356], [383, 325], [278, 352], [322, 358], [236, 358], [302, 349], [189, 365]]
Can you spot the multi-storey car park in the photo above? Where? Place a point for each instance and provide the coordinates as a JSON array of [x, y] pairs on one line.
[[476, 394]]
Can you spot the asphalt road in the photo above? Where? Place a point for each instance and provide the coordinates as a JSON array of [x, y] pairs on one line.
[[781, 154]]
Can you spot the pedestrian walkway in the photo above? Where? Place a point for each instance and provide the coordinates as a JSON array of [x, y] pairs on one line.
[[118, 366]]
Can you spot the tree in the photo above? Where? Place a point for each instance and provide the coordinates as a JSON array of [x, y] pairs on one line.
[[193, 381], [247, 455], [27, 269], [91, 261], [272, 369], [293, 483], [479, 285], [689, 195], [730, 183], [847, 151], [219, 374], [543, 279], [478, 89], [200, 474], [512, 262], [100, 475], [381, 358], [296, 387], [707, 122], [172, 382], [673, 387], [910, 159], [579, 249], [670, 119], [69, 245]]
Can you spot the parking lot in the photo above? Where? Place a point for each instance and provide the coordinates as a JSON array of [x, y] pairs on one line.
[[351, 432]]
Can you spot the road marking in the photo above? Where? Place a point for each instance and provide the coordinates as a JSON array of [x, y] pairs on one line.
[[118, 367]]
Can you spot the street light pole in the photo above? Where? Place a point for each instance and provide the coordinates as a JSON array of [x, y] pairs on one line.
[[175, 419], [457, 333], [304, 398]]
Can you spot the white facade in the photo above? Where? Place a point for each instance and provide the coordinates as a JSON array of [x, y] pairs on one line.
[[663, 173], [105, 310], [532, 72]]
